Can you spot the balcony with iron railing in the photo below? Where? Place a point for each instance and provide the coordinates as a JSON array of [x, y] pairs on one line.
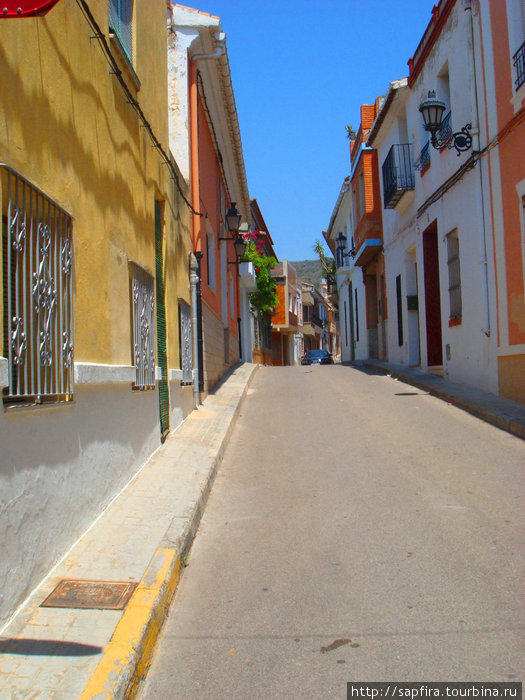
[[398, 174], [519, 65], [444, 134], [424, 158]]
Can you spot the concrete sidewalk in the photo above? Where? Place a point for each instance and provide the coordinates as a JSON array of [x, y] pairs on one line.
[[505, 414], [142, 537]]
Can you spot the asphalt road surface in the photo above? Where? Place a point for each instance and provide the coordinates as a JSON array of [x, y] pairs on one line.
[[358, 530]]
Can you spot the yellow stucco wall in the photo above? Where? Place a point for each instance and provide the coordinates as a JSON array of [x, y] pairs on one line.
[[65, 124]]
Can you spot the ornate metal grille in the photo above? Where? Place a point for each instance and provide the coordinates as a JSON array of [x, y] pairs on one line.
[[186, 361], [38, 293], [519, 66], [143, 312], [424, 157], [444, 135]]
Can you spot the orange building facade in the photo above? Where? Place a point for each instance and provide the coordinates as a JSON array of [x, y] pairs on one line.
[[367, 240], [219, 273], [286, 320], [205, 141], [504, 69]]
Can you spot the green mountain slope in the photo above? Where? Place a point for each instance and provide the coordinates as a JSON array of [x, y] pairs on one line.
[[309, 271]]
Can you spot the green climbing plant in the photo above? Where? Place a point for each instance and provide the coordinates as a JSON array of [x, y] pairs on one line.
[[265, 298]]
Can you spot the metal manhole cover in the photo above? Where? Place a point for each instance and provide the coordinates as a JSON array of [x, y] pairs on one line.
[[95, 595]]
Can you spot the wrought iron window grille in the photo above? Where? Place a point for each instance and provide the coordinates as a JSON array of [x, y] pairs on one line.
[[519, 65], [143, 315], [444, 135], [38, 294], [185, 335], [424, 157]]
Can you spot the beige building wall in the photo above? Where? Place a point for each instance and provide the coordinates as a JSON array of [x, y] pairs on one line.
[[67, 125]]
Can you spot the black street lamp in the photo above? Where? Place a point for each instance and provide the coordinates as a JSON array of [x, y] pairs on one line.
[[432, 111], [240, 247], [240, 244], [341, 252], [233, 219]]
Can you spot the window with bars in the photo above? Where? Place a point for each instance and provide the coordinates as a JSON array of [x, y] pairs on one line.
[[120, 22], [454, 275], [185, 339], [37, 254], [143, 320]]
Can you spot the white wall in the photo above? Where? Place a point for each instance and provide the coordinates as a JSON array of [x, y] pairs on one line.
[[61, 465], [471, 346]]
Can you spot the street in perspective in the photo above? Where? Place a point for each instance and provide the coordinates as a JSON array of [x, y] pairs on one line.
[[262, 349], [358, 529]]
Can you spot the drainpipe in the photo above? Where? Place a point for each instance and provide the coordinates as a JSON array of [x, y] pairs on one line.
[[476, 146], [194, 281], [200, 353]]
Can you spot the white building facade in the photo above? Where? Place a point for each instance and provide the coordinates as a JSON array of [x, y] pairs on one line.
[[436, 215], [351, 291]]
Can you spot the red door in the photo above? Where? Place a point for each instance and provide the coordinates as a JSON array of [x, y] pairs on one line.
[[432, 296]]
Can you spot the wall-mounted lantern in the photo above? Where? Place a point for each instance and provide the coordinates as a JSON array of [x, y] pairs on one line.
[[341, 252], [233, 219], [432, 111]]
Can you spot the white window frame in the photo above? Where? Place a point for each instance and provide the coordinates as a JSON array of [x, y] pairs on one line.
[[38, 293]]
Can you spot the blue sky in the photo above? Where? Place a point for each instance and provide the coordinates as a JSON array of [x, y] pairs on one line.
[[300, 70]]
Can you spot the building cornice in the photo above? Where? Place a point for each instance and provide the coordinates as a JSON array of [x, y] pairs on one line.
[[393, 91], [345, 187], [440, 14]]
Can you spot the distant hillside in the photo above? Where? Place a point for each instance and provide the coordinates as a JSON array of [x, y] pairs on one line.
[[309, 271]]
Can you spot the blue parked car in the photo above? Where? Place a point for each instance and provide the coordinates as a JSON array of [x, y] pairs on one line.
[[317, 357]]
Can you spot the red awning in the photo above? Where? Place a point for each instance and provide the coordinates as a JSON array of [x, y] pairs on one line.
[[25, 8]]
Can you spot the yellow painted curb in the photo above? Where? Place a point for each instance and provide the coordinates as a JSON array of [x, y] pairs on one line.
[[129, 651]]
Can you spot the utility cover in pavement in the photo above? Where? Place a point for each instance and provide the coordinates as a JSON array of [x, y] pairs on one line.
[[94, 595]]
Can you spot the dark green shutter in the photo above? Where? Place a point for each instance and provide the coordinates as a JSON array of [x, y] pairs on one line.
[[164, 397], [399, 311]]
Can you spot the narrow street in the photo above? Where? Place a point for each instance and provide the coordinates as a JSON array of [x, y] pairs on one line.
[[358, 529]]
